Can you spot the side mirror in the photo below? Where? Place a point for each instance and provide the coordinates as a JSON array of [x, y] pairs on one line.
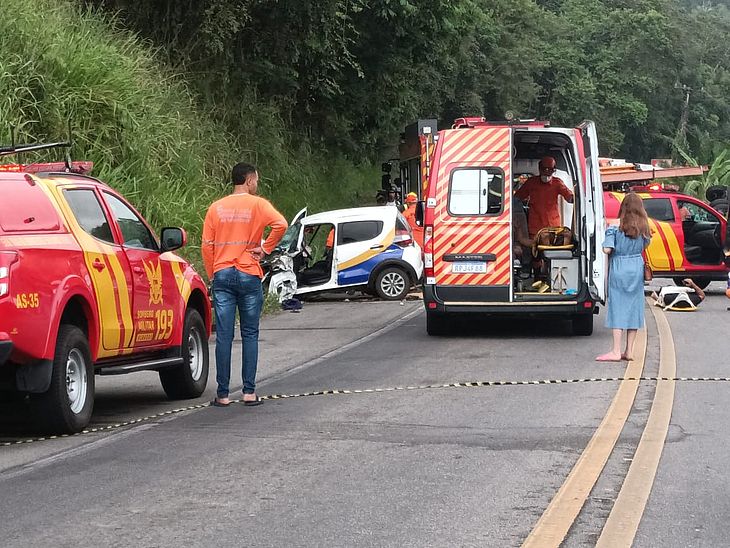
[[420, 212], [172, 238]]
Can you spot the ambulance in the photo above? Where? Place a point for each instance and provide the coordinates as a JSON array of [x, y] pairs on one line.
[[467, 177]]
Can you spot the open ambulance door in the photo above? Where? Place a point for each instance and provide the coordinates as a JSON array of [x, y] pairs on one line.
[[594, 213]]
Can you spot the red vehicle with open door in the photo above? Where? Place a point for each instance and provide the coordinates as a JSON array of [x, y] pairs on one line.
[[688, 235]]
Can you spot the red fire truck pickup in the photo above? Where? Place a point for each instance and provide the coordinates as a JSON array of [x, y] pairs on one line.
[[87, 288]]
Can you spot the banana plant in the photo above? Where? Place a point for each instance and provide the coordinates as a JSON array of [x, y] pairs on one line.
[[717, 175]]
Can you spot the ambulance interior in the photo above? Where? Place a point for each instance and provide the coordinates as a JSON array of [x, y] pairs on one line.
[[548, 267]]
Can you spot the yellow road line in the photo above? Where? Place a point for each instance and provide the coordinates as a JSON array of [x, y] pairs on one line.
[[553, 525], [623, 522]]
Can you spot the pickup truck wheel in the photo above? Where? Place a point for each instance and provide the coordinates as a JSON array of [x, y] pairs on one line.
[[392, 284], [189, 379], [65, 408], [582, 325]]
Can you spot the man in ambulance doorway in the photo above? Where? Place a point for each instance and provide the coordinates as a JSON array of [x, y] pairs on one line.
[[542, 191]]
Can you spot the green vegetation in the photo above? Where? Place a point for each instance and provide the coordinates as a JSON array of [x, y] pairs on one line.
[[653, 74], [717, 175], [147, 133]]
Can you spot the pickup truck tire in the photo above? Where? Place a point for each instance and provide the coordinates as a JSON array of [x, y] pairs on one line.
[[392, 284], [65, 408], [189, 379], [582, 325]]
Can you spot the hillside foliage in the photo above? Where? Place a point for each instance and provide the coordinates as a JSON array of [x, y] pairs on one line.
[[349, 74], [148, 134]]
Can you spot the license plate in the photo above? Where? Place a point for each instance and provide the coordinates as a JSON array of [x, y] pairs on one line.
[[468, 268]]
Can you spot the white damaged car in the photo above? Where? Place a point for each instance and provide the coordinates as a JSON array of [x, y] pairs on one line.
[[367, 248]]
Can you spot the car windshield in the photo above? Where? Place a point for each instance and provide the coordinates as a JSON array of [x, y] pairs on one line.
[[288, 243]]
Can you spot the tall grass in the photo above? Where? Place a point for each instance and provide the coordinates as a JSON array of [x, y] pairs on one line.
[[149, 136]]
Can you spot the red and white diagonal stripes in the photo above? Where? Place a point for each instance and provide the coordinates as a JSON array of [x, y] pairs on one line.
[[488, 147]]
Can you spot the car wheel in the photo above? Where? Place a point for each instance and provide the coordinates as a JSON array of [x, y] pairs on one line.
[[582, 325], [65, 408], [189, 379], [392, 284], [700, 282], [436, 324]]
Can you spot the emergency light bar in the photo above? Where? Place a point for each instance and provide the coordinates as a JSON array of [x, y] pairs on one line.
[[472, 122], [65, 167], [73, 167]]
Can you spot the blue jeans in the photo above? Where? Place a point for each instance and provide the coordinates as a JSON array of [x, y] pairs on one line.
[[233, 289]]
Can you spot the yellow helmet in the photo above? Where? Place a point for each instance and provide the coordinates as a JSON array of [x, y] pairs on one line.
[[411, 198]]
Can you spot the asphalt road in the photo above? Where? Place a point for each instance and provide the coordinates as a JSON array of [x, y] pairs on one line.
[[455, 466]]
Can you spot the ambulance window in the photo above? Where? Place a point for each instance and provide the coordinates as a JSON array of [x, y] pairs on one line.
[[87, 210], [659, 209], [359, 231], [476, 191], [134, 231]]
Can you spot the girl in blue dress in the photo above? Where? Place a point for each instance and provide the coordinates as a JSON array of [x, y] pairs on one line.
[[624, 245]]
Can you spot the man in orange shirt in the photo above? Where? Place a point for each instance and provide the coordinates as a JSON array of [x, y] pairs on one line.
[[232, 249], [543, 192]]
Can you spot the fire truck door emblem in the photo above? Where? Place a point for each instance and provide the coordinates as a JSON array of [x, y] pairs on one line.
[[154, 276]]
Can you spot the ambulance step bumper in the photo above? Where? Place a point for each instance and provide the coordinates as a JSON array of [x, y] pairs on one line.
[[515, 309], [542, 305]]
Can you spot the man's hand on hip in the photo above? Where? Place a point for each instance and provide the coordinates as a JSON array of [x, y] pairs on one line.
[[257, 253]]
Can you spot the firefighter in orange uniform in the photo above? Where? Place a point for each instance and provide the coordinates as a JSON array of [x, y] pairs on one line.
[[410, 215], [543, 192]]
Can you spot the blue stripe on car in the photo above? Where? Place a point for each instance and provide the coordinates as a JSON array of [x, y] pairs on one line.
[[360, 273]]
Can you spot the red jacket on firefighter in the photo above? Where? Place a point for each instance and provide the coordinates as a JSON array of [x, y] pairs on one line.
[[543, 192]]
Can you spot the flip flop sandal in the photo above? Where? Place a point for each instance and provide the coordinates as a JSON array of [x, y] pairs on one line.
[[257, 401], [216, 403]]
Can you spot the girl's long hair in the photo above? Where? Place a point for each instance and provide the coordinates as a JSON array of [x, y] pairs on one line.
[[633, 220]]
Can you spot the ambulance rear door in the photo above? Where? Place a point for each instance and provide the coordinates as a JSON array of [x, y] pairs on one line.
[[595, 220], [472, 255]]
